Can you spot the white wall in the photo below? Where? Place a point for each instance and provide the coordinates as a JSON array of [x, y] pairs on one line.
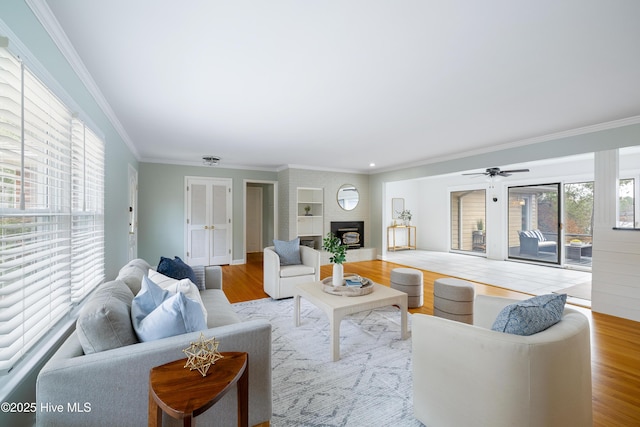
[[429, 200], [616, 253]]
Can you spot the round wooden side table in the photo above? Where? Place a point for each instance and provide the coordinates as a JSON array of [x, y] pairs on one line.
[[184, 394]]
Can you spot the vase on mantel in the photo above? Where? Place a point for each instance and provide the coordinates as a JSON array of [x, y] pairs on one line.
[[338, 275]]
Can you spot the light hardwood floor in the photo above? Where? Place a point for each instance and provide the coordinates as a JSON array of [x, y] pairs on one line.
[[615, 342]]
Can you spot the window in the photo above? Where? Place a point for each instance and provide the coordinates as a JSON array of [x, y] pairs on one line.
[[627, 216], [468, 215], [51, 210]]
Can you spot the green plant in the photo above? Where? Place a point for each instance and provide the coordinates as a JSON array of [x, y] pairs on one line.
[[480, 224], [333, 245], [405, 215]]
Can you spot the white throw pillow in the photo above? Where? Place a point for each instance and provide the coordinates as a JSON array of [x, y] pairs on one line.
[[158, 313], [186, 286]]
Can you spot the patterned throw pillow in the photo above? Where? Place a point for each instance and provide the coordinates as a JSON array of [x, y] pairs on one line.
[[289, 252], [531, 316], [176, 268]]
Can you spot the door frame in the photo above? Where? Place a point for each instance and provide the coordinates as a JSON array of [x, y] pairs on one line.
[[244, 210], [559, 218], [132, 240]]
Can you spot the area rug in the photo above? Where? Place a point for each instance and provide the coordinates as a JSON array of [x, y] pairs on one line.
[[371, 385]]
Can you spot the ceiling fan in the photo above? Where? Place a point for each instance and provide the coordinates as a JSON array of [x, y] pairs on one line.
[[493, 172]]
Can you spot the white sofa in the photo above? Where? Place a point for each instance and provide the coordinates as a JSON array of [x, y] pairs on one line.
[[280, 280], [469, 375]]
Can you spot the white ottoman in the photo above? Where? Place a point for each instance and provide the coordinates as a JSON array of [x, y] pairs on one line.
[[453, 299], [409, 281]]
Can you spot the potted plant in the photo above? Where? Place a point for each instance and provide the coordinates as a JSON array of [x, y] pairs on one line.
[[480, 225], [306, 210], [405, 216], [338, 252]]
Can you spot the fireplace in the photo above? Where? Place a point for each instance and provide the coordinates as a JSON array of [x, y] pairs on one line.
[[350, 233]]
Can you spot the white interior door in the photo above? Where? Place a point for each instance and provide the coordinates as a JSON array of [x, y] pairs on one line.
[[208, 222], [220, 229], [254, 219]]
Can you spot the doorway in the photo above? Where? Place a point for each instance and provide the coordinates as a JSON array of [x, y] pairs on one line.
[[534, 223], [261, 215]]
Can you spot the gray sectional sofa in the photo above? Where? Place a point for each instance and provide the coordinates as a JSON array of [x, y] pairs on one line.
[[108, 386]]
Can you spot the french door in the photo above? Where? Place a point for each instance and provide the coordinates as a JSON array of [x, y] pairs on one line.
[[534, 223], [208, 222]]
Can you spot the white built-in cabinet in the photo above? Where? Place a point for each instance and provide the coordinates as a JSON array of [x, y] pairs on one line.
[[208, 221], [310, 209]]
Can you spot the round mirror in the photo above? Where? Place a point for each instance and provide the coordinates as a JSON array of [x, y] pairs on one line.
[[348, 197]]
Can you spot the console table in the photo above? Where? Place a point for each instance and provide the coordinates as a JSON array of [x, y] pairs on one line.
[[407, 237]]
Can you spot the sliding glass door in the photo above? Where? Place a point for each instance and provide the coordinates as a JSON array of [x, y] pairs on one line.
[[468, 217], [578, 223], [534, 223]]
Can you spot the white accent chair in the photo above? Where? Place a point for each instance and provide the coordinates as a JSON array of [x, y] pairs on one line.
[[469, 375], [280, 280]]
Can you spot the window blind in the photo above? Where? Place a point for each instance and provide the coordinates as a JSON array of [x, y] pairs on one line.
[[51, 210]]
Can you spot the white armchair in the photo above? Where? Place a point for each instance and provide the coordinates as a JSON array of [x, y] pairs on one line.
[[280, 280], [469, 375]]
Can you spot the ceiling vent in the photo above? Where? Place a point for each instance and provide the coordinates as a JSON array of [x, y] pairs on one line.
[[210, 160]]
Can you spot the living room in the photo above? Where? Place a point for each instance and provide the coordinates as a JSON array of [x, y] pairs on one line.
[[161, 196]]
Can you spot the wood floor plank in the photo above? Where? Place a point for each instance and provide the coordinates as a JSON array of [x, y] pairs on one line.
[[615, 342]]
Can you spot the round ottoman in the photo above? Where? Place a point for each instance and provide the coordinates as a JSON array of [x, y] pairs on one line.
[[408, 280], [453, 299]]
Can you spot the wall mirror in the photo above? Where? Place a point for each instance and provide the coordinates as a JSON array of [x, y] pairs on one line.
[[348, 197], [397, 206]]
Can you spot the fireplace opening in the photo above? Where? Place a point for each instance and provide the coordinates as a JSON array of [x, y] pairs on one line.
[[350, 233]]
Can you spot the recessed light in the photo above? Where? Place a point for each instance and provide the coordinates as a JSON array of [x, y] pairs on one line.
[[371, 164]]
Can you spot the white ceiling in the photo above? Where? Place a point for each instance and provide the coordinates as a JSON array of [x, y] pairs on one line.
[[339, 84]]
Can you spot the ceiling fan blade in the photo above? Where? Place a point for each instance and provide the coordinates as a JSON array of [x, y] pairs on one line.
[[475, 173], [515, 170]]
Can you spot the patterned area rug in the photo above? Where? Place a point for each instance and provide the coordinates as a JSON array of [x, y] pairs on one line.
[[370, 385]]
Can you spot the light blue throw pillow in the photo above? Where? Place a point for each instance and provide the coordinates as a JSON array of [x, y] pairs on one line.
[[288, 251], [150, 296], [157, 313], [531, 316]]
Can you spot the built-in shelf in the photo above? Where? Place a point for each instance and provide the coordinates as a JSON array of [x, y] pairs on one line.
[[310, 210]]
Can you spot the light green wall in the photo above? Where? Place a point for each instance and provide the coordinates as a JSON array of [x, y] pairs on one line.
[[330, 182], [161, 198]]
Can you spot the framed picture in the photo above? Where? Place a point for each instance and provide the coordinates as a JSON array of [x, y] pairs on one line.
[[397, 206]]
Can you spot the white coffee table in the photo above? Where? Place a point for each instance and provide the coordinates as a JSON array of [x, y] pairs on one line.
[[336, 307]]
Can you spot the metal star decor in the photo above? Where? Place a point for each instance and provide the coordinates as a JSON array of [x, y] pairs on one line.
[[202, 354]]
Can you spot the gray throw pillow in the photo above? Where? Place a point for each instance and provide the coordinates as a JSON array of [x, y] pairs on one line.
[[104, 322], [288, 251], [531, 316]]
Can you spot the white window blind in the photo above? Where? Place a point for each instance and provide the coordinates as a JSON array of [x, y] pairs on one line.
[[51, 210]]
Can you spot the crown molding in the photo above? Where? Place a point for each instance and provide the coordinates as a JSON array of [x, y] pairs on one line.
[[51, 25], [529, 141]]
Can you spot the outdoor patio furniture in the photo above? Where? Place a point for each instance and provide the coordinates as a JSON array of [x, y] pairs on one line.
[[532, 242]]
